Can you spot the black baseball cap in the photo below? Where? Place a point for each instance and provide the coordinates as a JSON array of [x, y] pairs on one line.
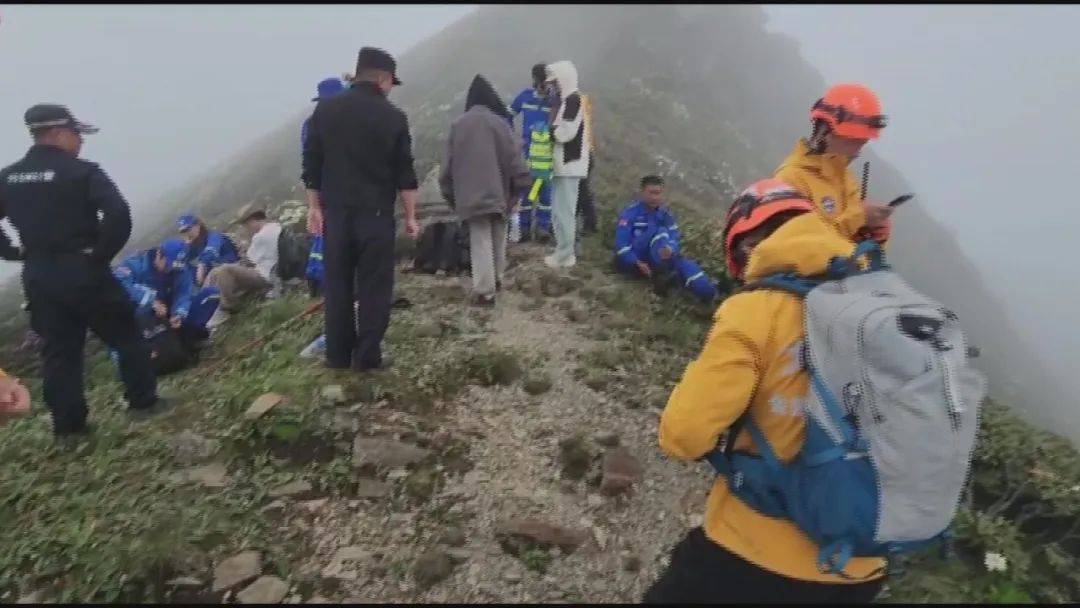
[[50, 116], [375, 58]]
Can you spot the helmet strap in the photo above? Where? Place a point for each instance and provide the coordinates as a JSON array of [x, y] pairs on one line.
[[818, 131]]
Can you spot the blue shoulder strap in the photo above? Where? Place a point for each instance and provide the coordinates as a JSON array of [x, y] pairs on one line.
[[787, 282], [840, 268]]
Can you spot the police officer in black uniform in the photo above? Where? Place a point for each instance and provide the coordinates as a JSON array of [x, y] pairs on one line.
[[54, 199], [357, 159]]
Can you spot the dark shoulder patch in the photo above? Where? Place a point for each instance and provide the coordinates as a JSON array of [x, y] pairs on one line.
[[573, 106]]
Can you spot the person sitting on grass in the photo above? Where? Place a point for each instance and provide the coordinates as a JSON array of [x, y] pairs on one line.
[[647, 244]]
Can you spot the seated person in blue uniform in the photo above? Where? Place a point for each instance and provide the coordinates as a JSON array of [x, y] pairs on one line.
[[207, 249], [647, 244], [160, 283]]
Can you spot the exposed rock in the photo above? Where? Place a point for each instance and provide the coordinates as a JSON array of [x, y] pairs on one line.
[[453, 537], [576, 315], [189, 582], [459, 556], [345, 561], [212, 475], [313, 506], [293, 489], [574, 457], [517, 535], [607, 439], [237, 570], [189, 447], [372, 488], [265, 590], [34, 597], [273, 509], [432, 567], [385, 453], [264, 403], [333, 393], [621, 471]]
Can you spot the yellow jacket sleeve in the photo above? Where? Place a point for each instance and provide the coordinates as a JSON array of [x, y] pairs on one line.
[[716, 388]]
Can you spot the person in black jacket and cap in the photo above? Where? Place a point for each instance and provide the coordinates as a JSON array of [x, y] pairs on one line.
[[53, 198], [357, 160]]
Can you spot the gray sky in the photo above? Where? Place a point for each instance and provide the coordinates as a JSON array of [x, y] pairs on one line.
[[983, 123], [176, 89]]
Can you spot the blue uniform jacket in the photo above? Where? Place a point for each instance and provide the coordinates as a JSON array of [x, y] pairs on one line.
[[144, 284], [641, 230], [533, 109], [219, 250]]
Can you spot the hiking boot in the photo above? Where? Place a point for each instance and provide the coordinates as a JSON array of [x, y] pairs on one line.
[[553, 263], [663, 281], [70, 442], [161, 406], [485, 300], [383, 366]]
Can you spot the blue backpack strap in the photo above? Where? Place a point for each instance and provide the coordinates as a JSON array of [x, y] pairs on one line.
[[765, 450], [840, 268], [786, 282], [832, 407]]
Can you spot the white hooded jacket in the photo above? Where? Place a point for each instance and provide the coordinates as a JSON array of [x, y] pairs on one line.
[[569, 130]]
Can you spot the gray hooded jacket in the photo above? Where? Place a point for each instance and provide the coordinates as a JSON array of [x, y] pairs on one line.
[[483, 171]]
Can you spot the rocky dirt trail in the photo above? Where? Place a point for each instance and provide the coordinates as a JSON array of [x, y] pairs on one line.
[[560, 493]]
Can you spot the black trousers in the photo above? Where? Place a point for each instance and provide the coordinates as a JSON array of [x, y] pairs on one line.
[[69, 293], [586, 206], [703, 572], [359, 264]]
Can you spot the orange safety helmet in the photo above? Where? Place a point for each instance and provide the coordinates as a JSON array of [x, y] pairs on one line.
[[850, 110], [760, 202]]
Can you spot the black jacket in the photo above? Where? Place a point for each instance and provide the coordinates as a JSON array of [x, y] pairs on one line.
[[54, 199], [358, 151]]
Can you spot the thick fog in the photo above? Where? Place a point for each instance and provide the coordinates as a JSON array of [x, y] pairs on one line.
[[981, 101], [983, 122], [176, 89]]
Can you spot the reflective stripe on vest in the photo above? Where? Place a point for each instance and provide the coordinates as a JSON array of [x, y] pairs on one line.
[[541, 150]]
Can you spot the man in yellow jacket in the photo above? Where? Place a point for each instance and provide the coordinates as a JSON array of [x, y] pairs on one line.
[[843, 121], [750, 364]]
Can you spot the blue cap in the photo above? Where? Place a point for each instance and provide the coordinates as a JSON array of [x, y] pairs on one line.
[[186, 221], [175, 252], [328, 88]]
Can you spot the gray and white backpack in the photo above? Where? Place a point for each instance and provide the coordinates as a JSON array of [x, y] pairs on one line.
[[890, 423]]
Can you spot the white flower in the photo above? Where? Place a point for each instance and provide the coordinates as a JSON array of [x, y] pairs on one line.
[[995, 562]]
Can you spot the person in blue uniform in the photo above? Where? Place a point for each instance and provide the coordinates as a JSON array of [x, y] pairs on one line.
[[647, 244], [159, 282], [534, 106]]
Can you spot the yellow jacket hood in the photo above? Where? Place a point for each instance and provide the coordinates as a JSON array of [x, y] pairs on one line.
[[803, 245]]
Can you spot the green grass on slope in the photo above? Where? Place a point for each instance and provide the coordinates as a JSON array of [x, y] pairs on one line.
[[108, 522]]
